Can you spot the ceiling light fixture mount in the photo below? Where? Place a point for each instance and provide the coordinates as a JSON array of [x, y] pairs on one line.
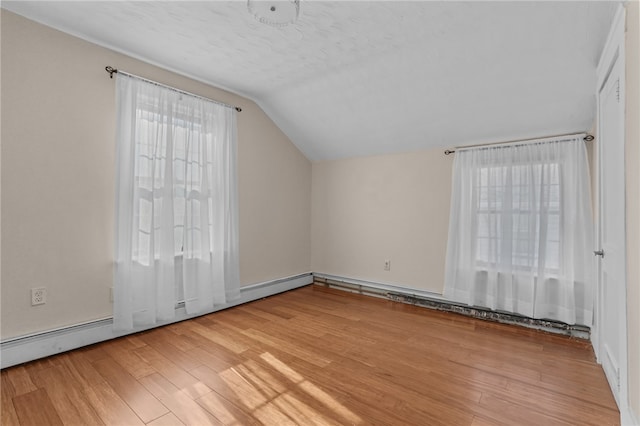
[[277, 13]]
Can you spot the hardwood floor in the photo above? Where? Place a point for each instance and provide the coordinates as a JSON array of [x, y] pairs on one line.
[[317, 356]]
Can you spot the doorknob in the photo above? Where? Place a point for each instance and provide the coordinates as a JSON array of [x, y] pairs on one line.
[[599, 253]]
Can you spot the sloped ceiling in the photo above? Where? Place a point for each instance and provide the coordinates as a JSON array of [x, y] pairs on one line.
[[372, 77]]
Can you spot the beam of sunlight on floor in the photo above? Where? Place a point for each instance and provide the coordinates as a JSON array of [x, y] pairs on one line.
[[197, 390], [329, 401], [246, 392], [269, 414], [267, 377], [283, 368], [299, 411], [310, 388], [258, 383], [212, 403], [269, 400]]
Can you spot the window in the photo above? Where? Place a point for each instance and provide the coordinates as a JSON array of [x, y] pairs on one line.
[[176, 203], [188, 163], [526, 199], [520, 231]]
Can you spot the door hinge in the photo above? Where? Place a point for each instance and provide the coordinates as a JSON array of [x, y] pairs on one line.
[[599, 253]]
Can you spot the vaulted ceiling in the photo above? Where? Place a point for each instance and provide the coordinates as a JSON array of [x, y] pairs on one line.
[[372, 77]]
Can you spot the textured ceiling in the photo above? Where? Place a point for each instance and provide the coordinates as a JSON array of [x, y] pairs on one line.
[[371, 77]]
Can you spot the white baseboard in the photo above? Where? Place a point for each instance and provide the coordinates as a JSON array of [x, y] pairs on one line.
[[362, 284], [39, 345]]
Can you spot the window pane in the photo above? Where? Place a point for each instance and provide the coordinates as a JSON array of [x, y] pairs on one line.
[[533, 191]]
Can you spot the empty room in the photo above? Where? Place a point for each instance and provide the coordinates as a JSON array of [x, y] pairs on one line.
[[306, 212]]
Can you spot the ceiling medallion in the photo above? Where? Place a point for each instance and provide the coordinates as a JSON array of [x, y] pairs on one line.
[[277, 13]]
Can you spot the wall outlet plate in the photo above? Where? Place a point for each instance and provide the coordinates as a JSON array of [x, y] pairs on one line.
[[38, 296]]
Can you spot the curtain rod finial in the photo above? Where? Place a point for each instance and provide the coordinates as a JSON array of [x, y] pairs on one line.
[[448, 151], [110, 70]]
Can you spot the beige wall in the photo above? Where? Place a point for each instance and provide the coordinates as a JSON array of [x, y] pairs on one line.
[[275, 201], [395, 207], [632, 167], [58, 146]]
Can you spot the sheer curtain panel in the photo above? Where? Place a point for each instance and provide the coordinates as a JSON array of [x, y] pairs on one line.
[[176, 204], [521, 232]]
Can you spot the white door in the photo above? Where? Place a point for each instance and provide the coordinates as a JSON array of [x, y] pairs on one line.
[[611, 298]]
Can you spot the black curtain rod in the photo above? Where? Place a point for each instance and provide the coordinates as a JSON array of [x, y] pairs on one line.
[[112, 70], [587, 138]]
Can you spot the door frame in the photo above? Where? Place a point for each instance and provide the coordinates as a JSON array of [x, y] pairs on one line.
[[614, 51]]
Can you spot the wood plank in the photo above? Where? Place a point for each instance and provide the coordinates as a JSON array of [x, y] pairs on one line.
[[282, 372], [81, 370], [196, 390], [39, 364], [225, 411], [177, 339], [300, 412], [110, 407], [482, 421], [176, 375], [240, 319], [253, 310], [345, 404], [183, 407], [135, 341], [20, 380], [232, 385], [597, 393], [67, 397], [141, 401], [8, 413], [123, 352], [216, 336], [168, 419], [94, 353], [35, 408], [163, 340], [215, 360], [560, 406], [288, 346], [503, 411]]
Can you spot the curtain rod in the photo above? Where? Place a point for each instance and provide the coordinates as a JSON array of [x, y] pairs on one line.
[[587, 138], [112, 70]]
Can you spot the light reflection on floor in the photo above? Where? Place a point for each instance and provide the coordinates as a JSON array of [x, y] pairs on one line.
[[211, 402], [277, 400]]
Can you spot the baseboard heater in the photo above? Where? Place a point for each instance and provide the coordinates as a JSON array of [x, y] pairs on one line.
[[405, 295]]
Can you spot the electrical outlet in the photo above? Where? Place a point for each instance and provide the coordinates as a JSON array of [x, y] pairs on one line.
[[387, 265], [38, 296]]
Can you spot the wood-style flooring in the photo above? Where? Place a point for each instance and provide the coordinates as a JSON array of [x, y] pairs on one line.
[[317, 356]]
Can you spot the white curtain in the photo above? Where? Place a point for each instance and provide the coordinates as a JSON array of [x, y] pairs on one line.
[[176, 204], [521, 232]]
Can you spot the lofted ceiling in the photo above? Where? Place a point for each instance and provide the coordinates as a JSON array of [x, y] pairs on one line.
[[362, 78]]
